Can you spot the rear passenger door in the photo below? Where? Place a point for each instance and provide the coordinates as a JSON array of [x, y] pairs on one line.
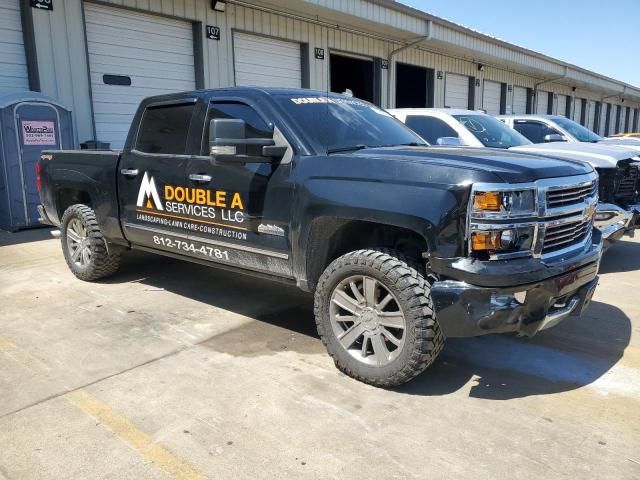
[[156, 161]]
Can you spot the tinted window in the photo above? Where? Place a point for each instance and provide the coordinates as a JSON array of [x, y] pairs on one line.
[[430, 128], [164, 129], [256, 127], [334, 122], [582, 134], [534, 131], [491, 132]]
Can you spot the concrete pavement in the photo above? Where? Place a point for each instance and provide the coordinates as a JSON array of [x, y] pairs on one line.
[[173, 370]]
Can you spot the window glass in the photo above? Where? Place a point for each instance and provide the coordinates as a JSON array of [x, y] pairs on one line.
[[335, 123], [534, 131], [430, 128], [164, 129], [577, 130], [256, 127], [491, 132]]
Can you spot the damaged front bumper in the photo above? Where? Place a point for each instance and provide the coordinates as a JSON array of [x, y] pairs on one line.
[[634, 223], [613, 222], [466, 309]]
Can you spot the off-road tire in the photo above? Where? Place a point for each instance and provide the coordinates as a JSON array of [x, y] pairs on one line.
[[102, 262], [424, 340]]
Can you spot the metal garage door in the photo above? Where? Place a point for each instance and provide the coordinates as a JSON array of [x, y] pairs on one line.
[[456, 91], [603, 119], [561, 105], [542, 102], [577, 109], [519, 100], [612, 119], [13, 73], [266, 62], [591, 114], [491, 97], [132, 56]]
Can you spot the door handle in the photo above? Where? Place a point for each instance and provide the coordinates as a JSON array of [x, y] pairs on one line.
[[129, 172], [196, 177]]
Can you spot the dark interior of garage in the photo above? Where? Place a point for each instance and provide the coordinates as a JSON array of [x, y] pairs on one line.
[[354, 74], [414, 86]]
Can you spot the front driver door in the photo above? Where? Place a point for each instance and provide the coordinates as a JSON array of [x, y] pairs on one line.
[[249, 211]]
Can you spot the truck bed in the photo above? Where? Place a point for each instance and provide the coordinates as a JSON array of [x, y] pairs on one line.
[[68, 175]]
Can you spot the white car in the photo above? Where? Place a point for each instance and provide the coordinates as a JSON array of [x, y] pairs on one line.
[[556, 128], [618, 166]]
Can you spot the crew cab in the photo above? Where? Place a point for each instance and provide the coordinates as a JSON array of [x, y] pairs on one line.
[[402, 244], [617, 212]]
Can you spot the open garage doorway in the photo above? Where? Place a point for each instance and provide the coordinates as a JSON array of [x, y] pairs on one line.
[[353, 73], [414, 86]]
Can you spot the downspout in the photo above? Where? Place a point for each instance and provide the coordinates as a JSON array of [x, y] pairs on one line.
[[535, 87], [393, 53]]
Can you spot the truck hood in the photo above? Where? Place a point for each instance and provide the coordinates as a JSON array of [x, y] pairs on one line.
[[627, 142], [598, 155], [510, 166]]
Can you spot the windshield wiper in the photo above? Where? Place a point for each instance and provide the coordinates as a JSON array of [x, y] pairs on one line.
[[411, 144], [348, 148]]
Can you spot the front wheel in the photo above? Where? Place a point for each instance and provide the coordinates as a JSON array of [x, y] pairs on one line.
[[84, 246], [375, 316]]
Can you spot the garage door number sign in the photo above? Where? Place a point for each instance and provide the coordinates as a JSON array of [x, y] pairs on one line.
[[213, 32], [42, 4]]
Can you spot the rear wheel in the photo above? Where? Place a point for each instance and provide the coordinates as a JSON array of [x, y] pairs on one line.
[[374, 314], [84, 246]]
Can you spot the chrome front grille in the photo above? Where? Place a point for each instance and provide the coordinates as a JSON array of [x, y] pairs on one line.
[[563, 197], [567, 221], [566, 234]]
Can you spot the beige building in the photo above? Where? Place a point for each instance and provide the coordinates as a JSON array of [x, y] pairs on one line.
[[101, 58]]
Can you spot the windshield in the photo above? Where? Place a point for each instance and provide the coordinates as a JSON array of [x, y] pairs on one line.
[[491, 131], [340, 123], [575, 129]]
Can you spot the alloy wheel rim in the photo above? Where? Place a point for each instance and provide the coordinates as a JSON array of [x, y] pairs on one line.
[[78, 243], [367, 320]]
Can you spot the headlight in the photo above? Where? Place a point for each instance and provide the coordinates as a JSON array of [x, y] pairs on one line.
[[503, 204], [494, 239], [502, 220]]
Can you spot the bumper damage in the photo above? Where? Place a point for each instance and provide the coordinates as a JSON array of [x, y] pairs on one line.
[[464, 309], [634, 223], [613, 222]]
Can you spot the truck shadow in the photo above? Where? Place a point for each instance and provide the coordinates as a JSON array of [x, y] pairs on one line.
[[576, 353], [623, 256]]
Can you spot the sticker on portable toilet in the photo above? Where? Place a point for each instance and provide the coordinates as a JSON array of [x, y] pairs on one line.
[[35, 132]]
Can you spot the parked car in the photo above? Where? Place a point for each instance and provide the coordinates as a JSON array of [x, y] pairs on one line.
[[629, 139], [402, 244], [556, 128], [618, 209]]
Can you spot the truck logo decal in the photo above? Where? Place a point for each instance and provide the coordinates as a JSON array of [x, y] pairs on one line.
[[149, 192], [203, 210]]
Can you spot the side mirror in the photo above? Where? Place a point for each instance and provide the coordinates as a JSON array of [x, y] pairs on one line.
[[228, 143], [554, 137], [449, 141]]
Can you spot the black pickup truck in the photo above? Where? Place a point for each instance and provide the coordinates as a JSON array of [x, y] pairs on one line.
[[402, 243]]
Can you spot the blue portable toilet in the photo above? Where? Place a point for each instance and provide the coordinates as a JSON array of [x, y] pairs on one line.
[[29, 123]]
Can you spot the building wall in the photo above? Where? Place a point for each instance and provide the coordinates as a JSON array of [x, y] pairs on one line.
[[62, 57]]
